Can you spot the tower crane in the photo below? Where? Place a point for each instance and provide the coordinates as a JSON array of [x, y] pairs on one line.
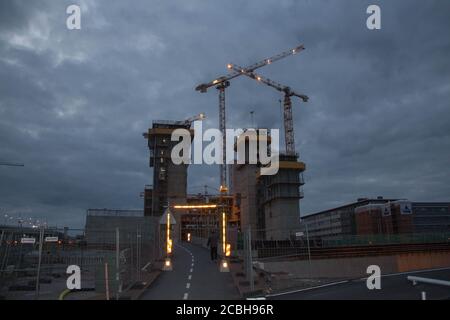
[[223, 82], [287, 110], [11, 164], [188, 121]]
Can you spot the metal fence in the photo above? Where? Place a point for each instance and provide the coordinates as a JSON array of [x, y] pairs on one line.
[[34, 262]]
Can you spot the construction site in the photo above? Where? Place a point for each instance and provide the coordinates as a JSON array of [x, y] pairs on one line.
[[245, 199], [266, 245], [264, 239]]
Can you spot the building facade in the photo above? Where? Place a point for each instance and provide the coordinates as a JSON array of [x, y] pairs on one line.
[[379, 216], [338, 221], [431, 217], [389, 218]]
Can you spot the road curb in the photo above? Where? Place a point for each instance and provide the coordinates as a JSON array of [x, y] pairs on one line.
[[63, 294], [152, 277]]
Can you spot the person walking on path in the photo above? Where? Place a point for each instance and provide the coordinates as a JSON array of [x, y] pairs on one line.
[[213, 240]]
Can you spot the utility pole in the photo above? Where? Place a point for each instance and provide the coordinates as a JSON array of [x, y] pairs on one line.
[[309, 248], [252, 119], [249, 258], [138, 252], [117, 262], [1, 238], [41, 240]]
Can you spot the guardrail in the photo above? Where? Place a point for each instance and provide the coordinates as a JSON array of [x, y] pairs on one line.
[[415, 280]]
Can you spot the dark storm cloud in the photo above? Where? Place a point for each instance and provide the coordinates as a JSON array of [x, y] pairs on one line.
[[14, 14], [73, 104]]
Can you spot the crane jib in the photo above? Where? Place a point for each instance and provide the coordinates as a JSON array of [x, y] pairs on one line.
[[205, 86]]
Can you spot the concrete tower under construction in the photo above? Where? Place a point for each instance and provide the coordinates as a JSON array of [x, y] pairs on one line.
[[269, 204], [279, 199], [169, 179]]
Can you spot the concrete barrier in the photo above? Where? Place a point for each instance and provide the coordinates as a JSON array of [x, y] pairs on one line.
[[422, 260], [350, 268]]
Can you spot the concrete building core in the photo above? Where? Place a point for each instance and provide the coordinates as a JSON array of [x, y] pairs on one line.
[[245, 191], [244, 183], [279, 199], [169, 179], [268, 204], [148, 198]]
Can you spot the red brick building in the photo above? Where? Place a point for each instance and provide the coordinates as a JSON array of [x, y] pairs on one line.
[[388, 218]]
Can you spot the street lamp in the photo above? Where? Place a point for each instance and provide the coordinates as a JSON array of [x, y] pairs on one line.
[[166, 221], [226, 248]]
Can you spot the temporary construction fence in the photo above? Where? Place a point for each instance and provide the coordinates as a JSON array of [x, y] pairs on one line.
[[34, 262]]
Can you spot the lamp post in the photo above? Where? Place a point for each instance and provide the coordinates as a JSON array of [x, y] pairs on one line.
[[166, 222], [224, 266]]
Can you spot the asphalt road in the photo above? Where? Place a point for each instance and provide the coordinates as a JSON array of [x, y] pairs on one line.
[[393, 287], [194, 277]]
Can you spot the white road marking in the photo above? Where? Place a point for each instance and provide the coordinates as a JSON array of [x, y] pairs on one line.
[[146, 266], [307, 289], [361, 279], [188, 284], [407, 272]]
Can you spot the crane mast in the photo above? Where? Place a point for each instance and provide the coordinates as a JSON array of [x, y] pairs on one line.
[[287, 105], [288, 125], [223, 166]]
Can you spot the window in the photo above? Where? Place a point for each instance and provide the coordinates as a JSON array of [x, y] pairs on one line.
[[162, 173]]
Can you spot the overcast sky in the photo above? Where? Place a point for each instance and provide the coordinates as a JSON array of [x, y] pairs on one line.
[[74, 104]]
